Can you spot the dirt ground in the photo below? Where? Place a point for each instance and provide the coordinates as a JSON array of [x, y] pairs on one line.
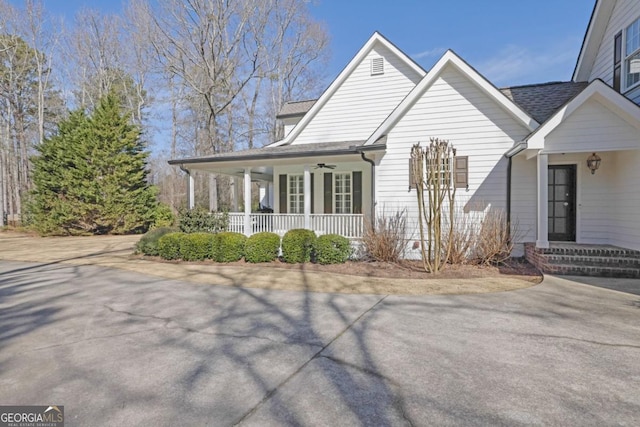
[[352, 277], [412, 270]]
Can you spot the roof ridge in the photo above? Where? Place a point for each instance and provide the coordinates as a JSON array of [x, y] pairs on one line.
[[298, 102], [558, 82]]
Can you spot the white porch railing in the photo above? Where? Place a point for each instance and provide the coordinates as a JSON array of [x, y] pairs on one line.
[[347, 225]]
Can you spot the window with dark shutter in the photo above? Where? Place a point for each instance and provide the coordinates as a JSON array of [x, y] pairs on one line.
[[282, 193], [617, 61], [357, 192], [461, 171], [328, 194]]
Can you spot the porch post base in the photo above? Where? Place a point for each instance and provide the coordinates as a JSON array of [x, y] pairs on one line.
[[542, 244]]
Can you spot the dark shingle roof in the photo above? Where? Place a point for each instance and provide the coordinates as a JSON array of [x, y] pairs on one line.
[[295, 108], [287, 151], [542, 100]]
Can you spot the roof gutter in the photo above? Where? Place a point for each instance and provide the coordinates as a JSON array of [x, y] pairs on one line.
[[516, 149], [274, 156]]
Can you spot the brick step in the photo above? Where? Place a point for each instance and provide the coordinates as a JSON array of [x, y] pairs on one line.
[[583, 270], [591, 252], [599, 261]]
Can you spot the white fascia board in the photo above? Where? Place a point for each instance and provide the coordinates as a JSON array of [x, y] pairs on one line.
[[593, 39], [450, 58], [599, 91], [342, 77]]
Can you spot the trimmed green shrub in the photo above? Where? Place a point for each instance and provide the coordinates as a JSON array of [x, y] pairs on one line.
[[202, 221], [169, 245], [163, 217], [148, 244], [332, 249], [230, 246], [262, 247], [297, 245], [197, 246]]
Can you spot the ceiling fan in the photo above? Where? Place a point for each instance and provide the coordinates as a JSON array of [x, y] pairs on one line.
[[324, 165]]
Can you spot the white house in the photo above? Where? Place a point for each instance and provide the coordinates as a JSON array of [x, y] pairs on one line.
[[345, 155]]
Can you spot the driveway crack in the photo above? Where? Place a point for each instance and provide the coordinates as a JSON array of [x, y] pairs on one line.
[[312, 358], [583, 340]]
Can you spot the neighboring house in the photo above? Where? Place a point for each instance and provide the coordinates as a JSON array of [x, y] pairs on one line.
[[524, 149]]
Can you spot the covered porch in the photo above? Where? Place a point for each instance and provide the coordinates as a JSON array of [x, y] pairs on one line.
[[574, 180], [327, 188]]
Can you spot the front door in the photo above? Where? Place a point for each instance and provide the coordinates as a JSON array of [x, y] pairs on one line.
[[562, 203]]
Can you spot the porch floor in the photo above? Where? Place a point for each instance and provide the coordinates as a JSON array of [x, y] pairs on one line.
[[585, 259]]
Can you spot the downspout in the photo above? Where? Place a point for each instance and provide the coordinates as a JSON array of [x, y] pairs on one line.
[[373, 183], [509, 155], [190, 202]]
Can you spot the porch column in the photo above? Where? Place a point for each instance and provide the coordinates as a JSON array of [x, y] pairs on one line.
[[213, 193], [307, 197], [543, 201], [247, 201], [235, 194], [191, 191]]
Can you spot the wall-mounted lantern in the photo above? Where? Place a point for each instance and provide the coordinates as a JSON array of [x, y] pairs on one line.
[[593, 163]]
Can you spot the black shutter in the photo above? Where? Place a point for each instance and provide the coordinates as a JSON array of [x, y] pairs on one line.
[[328, 193], [282, 191], [461, 171], [357, 192], [312, 194]]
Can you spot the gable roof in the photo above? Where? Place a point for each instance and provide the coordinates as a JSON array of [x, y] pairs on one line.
[[542, 100], [451, 58], [376, 38], [295, 108], [600, 17], [597, 89]]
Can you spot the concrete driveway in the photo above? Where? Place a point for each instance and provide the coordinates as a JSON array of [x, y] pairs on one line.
[[121, 348]]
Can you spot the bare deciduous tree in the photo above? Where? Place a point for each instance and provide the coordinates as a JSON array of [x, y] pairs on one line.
[[432, 173]]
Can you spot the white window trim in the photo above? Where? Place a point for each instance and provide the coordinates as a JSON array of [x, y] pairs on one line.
[[625, 57], [333, 183], [289, 194], [443, 170]]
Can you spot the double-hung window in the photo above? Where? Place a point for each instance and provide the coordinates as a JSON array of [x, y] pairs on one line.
[[296, 194], [632, 55], [343, 193]]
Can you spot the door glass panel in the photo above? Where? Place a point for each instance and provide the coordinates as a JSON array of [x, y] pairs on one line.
[[560, 209], [550, 226], [560, 225], [560, 193], [561, 177]]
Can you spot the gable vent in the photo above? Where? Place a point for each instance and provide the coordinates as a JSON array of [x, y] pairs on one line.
[[377, 66]]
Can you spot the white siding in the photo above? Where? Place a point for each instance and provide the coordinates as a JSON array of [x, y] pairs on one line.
[[625, 207], [594, 197], [452, 108], [592, 127], [624, 13], [524, 200], [362, 102], [607, 201]]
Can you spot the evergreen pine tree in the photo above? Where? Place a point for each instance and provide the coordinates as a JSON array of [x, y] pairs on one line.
[[91, 177]]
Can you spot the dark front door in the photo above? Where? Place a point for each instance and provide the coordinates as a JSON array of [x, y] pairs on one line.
[[562, 203]]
